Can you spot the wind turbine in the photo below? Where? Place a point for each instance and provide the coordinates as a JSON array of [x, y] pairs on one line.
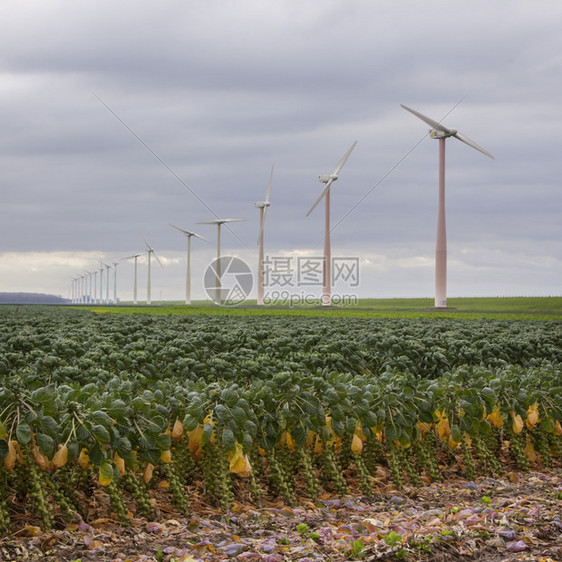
[[262, 206], [115, 264], [328, 179], [189, 236], [135, 257], [219, 223], [150, 251], [107, 268], [441, 133]]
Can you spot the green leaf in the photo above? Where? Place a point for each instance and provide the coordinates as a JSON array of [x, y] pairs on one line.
[[106, 472], [151, 455], [123, 447], [4, 450], [228, 439], [239, 415], [456, 433], [101, 418], [163, 442], [46, 444], [23, 433], [50, 426], [190, 422], [44, 395], [117, 409], [101, 434]]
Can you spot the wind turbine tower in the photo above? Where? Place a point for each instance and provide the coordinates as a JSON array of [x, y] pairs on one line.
[[262, 206], [189, 235], [219, 223], [328, 179], [442, 133], [150, 251], [135, 257], [115, 264]]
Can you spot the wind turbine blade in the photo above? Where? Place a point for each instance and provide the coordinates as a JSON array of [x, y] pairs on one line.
[[434, 124], [148, 246], [466, 140], [198, 236], [324, 191], [268, 190], [157, 259], [233, 220], [180, 229], [344, 159]]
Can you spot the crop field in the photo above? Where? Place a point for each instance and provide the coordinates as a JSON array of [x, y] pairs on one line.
[[143, 414], [498, 308]]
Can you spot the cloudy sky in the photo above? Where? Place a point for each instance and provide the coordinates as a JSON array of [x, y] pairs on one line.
[[119, 118]]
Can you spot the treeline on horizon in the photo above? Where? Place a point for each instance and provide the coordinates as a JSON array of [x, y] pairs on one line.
[[31, 298]]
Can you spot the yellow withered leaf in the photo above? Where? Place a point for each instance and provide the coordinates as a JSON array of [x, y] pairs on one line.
[[452, 443], [194, 436], [41, 460], [84, 458], [239, 462], [310, 438], [558, 428], [318, 446], [61, 456], [443, 429], [532, 416], [177, 430], [517, 423], [119, 463], [10, 458], [360, 433], [356, 444], [495, 418], [423, 428], [530, 452], [147, 476], [440, 414], [166, 456], [290, 442]]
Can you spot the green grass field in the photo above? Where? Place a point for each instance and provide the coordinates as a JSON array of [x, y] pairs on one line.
[[516, 308]]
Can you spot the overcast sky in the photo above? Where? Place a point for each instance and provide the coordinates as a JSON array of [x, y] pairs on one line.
[[118, 118]]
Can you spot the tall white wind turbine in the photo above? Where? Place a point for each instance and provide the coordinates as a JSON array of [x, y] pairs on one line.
[[262, 206], [150, 252], [135, 257], [115, 264], [219, 223], [441, 133], [189, 236], [328, 179]]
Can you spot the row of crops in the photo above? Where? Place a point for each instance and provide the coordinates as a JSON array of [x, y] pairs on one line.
[[251, 407]]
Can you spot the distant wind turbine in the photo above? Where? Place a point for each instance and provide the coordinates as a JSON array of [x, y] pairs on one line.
[[219, 223], [441, 133], [150, 252], [189, 236], [328, 179], [107, 268], [135, 257], [262, 206], [115, 264]]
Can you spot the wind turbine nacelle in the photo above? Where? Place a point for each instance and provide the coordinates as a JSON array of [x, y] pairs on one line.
[[325, 178], [262, 204], [434, 134]]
